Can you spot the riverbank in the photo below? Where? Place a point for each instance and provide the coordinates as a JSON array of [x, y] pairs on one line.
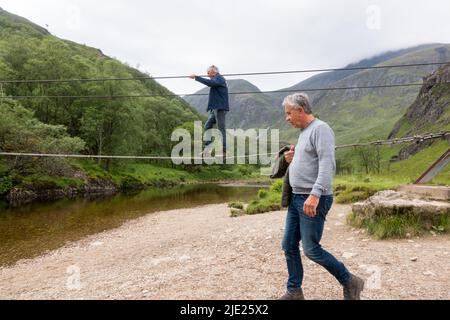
[[89, 180], [202, 253]]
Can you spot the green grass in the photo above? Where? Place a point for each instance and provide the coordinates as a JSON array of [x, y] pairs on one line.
[[399, 226], [3, 167], [138, 175], [354, 188], [236, 205], [91, 168], [267, 200], [37, 182], [412, 168], [404, 127], [395, 173]]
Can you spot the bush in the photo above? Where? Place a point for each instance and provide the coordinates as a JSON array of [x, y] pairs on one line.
[[6, 184], [262, 194], [277, 186], [130, 183], [236, 205], [262, 207], [245, 170]]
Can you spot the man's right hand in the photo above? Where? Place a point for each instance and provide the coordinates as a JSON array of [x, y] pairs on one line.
[[193, 76], [289, 155]]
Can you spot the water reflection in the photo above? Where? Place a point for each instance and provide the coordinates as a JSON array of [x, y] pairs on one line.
[[31, 230]]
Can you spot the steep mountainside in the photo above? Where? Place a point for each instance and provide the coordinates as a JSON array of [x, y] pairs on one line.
[[108, 126], [429, 113], [355, 115]]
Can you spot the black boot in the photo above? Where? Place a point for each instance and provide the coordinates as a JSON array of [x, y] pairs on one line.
[[353, 289], [293, 295]]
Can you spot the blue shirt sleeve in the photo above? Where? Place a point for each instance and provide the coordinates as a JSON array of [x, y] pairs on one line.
[[214, 82]]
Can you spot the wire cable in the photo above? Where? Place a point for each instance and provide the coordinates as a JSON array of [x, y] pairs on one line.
[[24, 81], [417, 138], [112, 97]]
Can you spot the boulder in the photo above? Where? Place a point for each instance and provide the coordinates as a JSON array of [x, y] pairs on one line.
[[391, 202]]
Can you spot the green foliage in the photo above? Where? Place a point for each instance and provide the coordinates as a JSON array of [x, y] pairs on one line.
[[6, 184], [268, 200], [236, 205], [114, 126], [245, 170], [443, 225], [277, 186], [388, 226], [263, 207], [413, 167], [346, 194], [21, 132], [130, 183], [398, 225], [263, 194], [39, 182]]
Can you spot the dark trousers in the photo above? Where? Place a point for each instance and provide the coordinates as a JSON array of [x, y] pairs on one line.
[[216, 117], [300, 227]]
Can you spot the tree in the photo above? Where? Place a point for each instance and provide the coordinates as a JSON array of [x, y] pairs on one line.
[[21, 132]]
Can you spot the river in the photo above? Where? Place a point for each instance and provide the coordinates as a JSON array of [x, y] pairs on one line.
[[32, 230]]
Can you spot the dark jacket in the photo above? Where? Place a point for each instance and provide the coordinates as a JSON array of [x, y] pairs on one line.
[[280, 170], [218, 95]]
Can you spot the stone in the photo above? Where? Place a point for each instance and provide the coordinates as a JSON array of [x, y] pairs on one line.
[[391, 202], [349, 255]]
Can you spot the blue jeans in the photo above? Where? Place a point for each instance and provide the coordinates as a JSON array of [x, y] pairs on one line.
[[300, 227], [219, 117]]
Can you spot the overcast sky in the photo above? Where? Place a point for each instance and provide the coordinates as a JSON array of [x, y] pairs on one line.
[[177, 37]]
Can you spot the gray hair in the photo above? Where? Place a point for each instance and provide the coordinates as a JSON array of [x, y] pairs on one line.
[[297, 101], [214, 68]]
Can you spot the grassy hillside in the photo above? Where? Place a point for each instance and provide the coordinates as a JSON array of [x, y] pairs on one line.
[[356, 115], [141, 127]]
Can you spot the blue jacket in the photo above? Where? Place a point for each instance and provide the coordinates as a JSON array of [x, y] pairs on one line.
[[218, 95]]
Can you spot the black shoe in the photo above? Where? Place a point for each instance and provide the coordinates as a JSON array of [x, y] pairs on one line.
[[293, 295], [352, 290]]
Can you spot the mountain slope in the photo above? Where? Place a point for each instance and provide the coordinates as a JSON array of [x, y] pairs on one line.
[[355, 115], [108, 126], [431, 110], [429, 113]]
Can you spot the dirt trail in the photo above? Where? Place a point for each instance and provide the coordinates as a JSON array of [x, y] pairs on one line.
[[201, 253]]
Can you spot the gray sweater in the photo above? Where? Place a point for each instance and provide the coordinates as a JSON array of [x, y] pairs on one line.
[[314, 164]]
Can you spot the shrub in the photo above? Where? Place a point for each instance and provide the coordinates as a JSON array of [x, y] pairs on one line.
[[236, 205], [262, 194], [6, 184], [277, 186]]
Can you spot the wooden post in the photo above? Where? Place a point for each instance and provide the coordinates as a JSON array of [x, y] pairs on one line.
[[435, 168]]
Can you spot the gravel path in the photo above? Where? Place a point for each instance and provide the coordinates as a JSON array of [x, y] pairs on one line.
[[201, 253]]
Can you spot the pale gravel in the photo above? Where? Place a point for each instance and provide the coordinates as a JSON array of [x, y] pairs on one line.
[[203, 254]]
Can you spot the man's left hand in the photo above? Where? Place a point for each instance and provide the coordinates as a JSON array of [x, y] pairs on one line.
[[310, 207], [193, 76]]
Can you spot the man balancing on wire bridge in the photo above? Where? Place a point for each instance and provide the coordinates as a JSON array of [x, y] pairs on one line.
[[218, 107]]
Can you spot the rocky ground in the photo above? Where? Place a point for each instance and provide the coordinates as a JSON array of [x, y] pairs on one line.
[[202, 253]]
